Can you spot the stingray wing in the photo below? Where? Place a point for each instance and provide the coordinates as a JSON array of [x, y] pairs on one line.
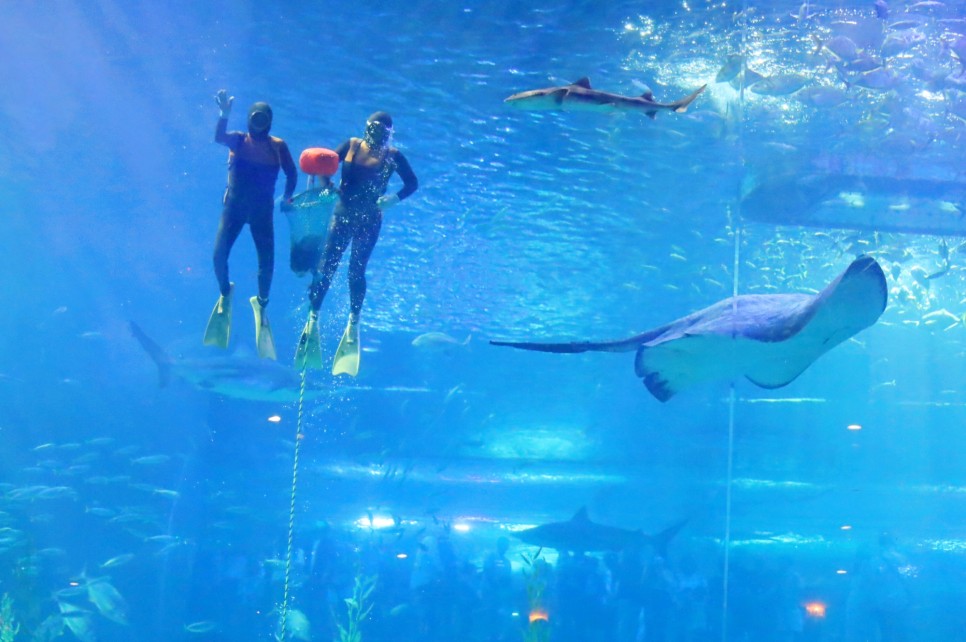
[[768, 339]]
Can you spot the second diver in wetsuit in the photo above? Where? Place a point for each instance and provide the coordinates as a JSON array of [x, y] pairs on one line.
[[367, 165], [254, 159]]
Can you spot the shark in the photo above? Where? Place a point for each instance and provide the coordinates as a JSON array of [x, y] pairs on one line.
[[770, 339], [229, 375], [580, 96], [581, 535]]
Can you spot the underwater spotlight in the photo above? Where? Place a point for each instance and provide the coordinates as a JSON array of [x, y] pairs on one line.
[[275, 419], [537, 615], [375, 521], [853, 427], [815, 609], [461, 528]]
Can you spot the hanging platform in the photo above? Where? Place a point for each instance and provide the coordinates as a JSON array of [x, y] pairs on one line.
[[875, 203]]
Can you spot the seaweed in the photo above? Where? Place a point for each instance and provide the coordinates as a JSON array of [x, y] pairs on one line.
[[538, 621], [358, 608], [8, 626]]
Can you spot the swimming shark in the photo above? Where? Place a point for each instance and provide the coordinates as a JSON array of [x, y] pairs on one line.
[[579, 534], [229, 375], [768, 338], [580, 96]]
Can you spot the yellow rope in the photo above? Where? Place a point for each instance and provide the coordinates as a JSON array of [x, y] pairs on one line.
[[291, 513]]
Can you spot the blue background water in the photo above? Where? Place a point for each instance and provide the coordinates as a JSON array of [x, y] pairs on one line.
[[526, 226]]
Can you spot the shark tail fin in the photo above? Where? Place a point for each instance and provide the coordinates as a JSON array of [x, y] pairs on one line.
[[681, 106], [661, 541], [156, 352]]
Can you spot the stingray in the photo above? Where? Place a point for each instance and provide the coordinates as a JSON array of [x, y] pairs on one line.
[[768, 338]]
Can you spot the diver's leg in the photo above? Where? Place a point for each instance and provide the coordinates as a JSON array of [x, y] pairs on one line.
[[363, 243], [229, 228], [263, 233], [340, 233]]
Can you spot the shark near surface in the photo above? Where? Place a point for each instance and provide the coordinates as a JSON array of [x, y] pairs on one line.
[[580, 96]]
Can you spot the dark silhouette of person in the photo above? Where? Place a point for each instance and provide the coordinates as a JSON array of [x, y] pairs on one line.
[[367, 165], [254, 160]]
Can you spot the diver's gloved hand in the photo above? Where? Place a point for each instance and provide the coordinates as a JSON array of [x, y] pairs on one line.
[[385, 202], [286, 205], [224, 101]]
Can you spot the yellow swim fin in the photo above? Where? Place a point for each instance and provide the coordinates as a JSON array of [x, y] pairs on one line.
[[263, 331], [219, 323], [309, 352], [346, 359]]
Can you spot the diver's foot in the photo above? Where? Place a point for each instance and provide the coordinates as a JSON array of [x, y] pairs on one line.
[[308, 354], [218, 331], [352, 329], [263, 331]]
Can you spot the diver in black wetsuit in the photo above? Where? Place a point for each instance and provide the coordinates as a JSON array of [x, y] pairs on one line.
[[254, 160], [367, 165]]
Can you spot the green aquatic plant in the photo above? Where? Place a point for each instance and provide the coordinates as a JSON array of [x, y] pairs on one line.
[[358, 608], [8, 626], [538, 619]]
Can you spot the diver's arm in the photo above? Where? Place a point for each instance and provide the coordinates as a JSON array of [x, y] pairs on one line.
[[230, 139], [408, 176], [288, 166], [343, 149]]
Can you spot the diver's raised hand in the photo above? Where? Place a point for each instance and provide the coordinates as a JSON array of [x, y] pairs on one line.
[[224, 101]]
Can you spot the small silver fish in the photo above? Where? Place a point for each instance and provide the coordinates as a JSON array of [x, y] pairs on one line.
[[779, 85], [731, 68], [118, 560], [438, 339], [205, 626]]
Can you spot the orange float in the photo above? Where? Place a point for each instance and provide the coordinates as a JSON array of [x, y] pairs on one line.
[[319, 161]]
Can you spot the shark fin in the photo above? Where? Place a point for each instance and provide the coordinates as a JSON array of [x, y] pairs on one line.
[[648, 95], [652, 114], [581, 515], [156, 352], [661, 540], [558, 95], [582, 82], [681, 106]]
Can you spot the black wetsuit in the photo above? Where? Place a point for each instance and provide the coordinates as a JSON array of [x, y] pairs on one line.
[[357, 218], [253, 165]]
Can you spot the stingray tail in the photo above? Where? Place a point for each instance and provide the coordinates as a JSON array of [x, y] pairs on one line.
[[623, 345], [156, 352]]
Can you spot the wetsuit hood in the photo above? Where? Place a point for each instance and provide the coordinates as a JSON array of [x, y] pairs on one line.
[[378, 129], [259, 119], [382, 117]]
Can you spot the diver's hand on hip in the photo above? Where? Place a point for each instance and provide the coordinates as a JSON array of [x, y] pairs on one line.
[[385, 202]]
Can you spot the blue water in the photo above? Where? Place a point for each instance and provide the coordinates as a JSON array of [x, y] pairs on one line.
[[526, 226]]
